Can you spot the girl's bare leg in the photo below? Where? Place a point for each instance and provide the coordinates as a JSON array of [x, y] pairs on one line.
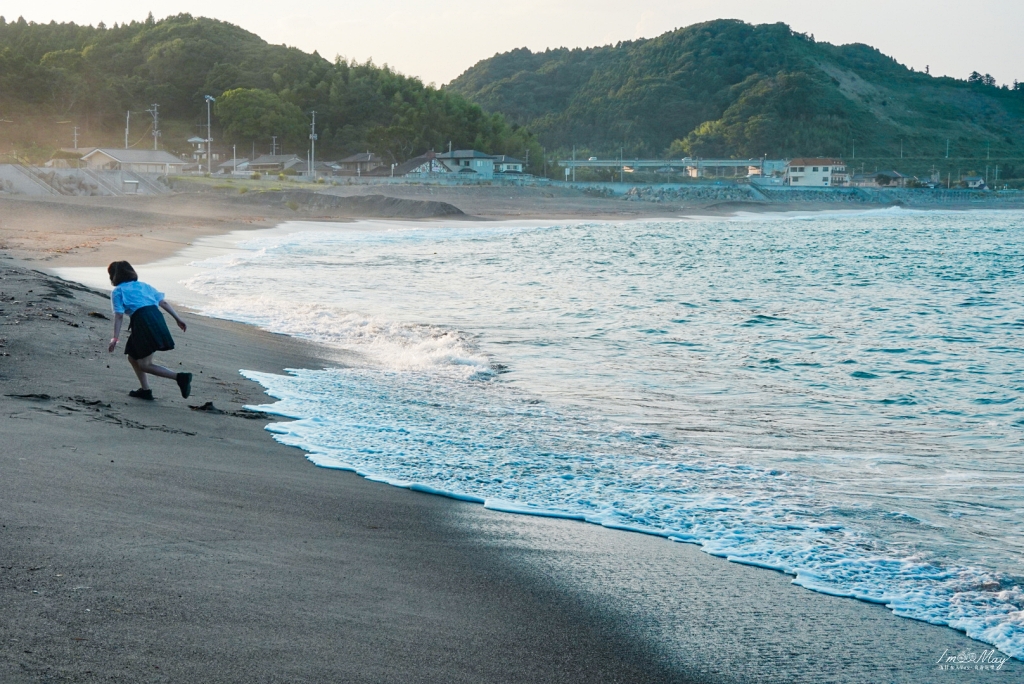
[[139, 372], [146, 365]]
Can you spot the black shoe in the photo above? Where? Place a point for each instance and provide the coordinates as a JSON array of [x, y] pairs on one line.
[[142, 394], [185, 384]]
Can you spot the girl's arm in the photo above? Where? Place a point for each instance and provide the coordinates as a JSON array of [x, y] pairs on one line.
[[118, 320], [166, 306]]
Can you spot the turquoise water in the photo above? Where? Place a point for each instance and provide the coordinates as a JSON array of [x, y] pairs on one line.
[[835, 396]]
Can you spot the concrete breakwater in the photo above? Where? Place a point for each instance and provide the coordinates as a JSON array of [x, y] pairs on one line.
[[34, 181], [690, 194]]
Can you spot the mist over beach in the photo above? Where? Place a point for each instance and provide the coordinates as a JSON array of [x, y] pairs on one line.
[[548, 374]]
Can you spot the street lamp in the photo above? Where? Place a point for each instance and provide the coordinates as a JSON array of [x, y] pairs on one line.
[[209, 135]]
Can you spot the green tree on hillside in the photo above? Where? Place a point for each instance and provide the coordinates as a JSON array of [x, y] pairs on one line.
[[94, 74], [249, 114], [787, 115], [727, 88]]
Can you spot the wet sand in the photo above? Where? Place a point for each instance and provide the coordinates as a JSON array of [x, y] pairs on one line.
[[153, 542]]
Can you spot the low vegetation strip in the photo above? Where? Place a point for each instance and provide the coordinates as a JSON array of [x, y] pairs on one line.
[[358, 206]]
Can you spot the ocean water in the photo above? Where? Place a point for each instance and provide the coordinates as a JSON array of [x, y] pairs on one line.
[[839, 397]]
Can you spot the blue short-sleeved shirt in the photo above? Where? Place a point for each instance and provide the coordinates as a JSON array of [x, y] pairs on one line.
[[131, 296]]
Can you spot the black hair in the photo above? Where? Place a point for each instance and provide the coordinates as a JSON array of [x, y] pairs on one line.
[[121, 272]]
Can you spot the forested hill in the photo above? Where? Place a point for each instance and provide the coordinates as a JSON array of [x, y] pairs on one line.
[[56, 76], [727, 88]]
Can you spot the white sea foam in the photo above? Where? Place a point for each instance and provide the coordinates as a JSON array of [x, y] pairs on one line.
[[836, 397], [483, 443], [225, 284]]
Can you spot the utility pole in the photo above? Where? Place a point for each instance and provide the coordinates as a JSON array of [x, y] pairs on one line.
[[312, 142], [947, 148], [127, 124], [622, 169], [209, 135], [74, 133], [573, 163], [273, 145], [901, 148], [988, 150], [234, 160], [154, 110]]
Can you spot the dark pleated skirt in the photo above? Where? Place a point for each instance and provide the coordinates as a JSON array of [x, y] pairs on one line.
[[149, 333]]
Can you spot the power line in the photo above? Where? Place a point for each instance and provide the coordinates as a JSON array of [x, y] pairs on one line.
[[144, 135]]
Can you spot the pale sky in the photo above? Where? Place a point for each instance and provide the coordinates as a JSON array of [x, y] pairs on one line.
[[439, 39]]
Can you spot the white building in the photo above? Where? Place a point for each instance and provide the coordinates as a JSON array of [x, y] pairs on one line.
[[423, 166], [506, 164], [468, 162], [137, 161], [817, 172]]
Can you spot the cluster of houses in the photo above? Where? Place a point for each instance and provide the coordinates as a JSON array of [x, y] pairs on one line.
[[467, 163], [464, 163], [802, 172], [829, 172]]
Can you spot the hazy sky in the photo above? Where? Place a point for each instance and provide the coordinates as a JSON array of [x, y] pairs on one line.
[[438, 40]]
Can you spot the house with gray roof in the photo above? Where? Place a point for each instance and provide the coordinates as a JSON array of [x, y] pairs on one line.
[[240, 165], [468, 162], [423, 166], [136, 161], [503, 163], [360, 164], [275, 163], [880, 179]]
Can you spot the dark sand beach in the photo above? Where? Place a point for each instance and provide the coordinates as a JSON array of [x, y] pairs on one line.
[[153, 542]]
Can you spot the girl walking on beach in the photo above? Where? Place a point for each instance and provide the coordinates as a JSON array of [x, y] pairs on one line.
[[149, 333]]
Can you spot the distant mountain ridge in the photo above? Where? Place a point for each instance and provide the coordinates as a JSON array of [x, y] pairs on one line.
[[728, 88]]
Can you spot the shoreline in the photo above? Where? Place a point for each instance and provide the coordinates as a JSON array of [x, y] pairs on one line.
[[600, 582], [92, 231], [172, 545]]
